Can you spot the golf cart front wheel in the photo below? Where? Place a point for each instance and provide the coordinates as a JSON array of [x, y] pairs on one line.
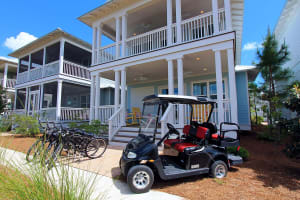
[[140, 178], [218, 169]]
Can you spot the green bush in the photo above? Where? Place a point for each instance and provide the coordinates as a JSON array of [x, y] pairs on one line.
[[265, 136], [26, 125], [260, 119], [244, 153], [95, 127], [6, 124]]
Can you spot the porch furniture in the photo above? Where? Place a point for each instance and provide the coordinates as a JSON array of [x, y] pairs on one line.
[[134, 117], [200, 113]]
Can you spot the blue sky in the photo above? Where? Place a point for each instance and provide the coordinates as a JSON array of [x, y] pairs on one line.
[[35, 18]]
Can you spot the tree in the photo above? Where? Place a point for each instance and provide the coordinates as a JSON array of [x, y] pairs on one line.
[[2, 99], [293, 100], [271, 58], [254, 95]]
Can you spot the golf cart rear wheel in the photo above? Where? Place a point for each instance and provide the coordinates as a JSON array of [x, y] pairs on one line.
[[140, 178], [218, 169]]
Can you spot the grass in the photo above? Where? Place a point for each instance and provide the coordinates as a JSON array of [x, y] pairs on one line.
[[34, 181]]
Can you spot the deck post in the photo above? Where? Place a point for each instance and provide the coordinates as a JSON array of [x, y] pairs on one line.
[[117, 89], [123, 96], [4, 84], [169, 22], [118, 37], [26, 100], [92, 99], [232, 86], [215, 12], [227, 8], [124, 34], [61, 56], [94, 46], [97, 97], [178, 21], [29, 64], [171, 85], [58, 100], [219, 82], [180, 89], [41, 97], [44, 62]]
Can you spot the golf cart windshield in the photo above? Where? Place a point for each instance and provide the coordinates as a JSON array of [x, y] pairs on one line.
[[149, 118]]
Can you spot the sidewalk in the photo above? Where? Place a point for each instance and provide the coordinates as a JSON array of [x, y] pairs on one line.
[[105, 186]]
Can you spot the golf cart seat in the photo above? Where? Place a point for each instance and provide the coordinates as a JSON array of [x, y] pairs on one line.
[[193, 137]]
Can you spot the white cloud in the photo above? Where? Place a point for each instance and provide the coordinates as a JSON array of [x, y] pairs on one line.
[[19, 41], [252, 46], [9, 59]]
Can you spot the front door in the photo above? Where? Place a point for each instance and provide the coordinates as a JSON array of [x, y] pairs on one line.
[[33, 102]]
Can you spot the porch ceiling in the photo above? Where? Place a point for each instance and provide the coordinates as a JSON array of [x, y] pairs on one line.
[[197, 64]]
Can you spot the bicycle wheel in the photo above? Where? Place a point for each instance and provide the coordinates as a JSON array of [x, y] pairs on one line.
[[95, 148], [53, 151], [36, 149]]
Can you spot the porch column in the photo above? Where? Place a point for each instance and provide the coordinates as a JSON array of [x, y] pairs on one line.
[[99, 35], [29, 64], [171, 85], [16, 96], [26, 99], [169, 22], [228, 22], [124, 34], [4, 84], [97, 97], [117, 90], [215, 16], [58, 100], [232, 86], [92, 99], [178, 21], [94, 46], [118, 37], [44, 62], [219, 83], [180, 89], [123, 95], [41, 96], [61, 56]]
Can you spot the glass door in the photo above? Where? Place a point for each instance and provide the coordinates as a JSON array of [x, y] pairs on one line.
[[33, 102]]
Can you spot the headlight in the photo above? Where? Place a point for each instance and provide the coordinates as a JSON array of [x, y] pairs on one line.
[[131, 155]]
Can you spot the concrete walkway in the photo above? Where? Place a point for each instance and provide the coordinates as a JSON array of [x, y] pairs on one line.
[[105, 187]]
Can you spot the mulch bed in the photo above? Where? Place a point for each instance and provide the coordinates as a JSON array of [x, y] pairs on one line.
[[268, 174]]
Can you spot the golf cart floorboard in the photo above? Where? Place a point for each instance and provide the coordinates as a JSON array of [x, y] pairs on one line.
[[173, 170]]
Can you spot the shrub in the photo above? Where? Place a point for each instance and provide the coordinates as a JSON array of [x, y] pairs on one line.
[[26, 125], [95, 127], [6, 123], [242, 152], [260, 119], [265, 136]]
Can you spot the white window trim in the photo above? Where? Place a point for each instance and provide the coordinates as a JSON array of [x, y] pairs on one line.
[[207, 81]]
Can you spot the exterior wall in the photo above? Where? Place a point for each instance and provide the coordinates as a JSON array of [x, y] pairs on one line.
[[243, 100]]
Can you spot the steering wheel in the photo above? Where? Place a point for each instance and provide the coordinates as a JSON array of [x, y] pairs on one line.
[[172, 129]]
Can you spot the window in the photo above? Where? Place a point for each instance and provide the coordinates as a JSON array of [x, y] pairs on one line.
[[21, 98], [24, 63], [213, 90], [166, 91], [85, 101], [200, 89], [50, 95], [37, 59], [52, 53]]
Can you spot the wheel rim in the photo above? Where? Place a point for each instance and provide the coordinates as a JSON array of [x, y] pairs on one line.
[[220, 171], [96, 148], [141, 180]]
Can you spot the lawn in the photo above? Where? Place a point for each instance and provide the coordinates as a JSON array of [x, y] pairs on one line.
[[268, 174]]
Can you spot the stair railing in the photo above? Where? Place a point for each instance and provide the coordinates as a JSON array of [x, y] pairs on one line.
[[115, 123], [168, 115]]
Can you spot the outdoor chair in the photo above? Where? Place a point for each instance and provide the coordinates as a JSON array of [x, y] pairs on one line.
[[134, 117]]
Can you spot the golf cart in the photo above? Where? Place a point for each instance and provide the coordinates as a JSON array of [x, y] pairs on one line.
[[200, 149]]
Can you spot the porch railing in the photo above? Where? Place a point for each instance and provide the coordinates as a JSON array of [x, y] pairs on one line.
[[51, 69], [36, 73], [10, 83], [22, 77], [115, 122], [107, 54], [105, 113], [71, 114], [76, 70]]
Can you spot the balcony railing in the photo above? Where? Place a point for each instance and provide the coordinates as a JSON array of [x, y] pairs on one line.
[[51, 69], [10, 83], [195, 28]]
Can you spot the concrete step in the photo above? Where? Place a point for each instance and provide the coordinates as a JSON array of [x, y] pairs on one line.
[[136, 129]]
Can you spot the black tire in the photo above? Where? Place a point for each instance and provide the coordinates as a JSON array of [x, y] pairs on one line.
[[95, 148], [52, 156], [140, 178], [218, 169]]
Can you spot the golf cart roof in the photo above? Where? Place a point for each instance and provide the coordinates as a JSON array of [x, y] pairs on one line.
[[176, 99]]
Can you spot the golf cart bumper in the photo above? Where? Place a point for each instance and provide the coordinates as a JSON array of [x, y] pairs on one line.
[[235, 160], [125, 163]]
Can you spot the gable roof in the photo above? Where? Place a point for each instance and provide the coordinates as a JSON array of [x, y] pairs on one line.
[[44, 40], [4, 60]]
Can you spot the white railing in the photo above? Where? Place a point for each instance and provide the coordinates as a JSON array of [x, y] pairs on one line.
[[149, 41], [10, 83], [47, 114], [22, 77], [71, 114], [106, 54], [105, 113], [19, 111], [115, 123], [51, 69], [36, 73], [76, 70], [222, 20]]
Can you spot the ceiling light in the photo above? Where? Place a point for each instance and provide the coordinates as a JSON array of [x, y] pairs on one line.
[[202, 11], [198, 58], [134, 34], [205, 69]]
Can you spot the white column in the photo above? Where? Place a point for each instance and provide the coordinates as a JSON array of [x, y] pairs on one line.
[[26, 99], [117, 90], [97, 97], [61, 56], [16, 96], [41, 96], [228, 22], [124, 34], [232, 86], [94, 46], [123, 95], [99, 35], [92, 99], [178, 21], [118, 37], [58, 100], [4, 84], [169, 22], [170, 77], [29, 64], [180, 89], [215, 16], [44, 62], [219, 83]]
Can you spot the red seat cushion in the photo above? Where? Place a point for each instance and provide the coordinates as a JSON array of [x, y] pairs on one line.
[[181, 146], [215, 136], [201, 132], [169, 142], [186, 130]]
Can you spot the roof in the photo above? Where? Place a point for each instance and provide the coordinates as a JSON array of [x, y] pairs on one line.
[[289, 11], [4, 60], [176, 99], [252, 71], [44, 40]]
